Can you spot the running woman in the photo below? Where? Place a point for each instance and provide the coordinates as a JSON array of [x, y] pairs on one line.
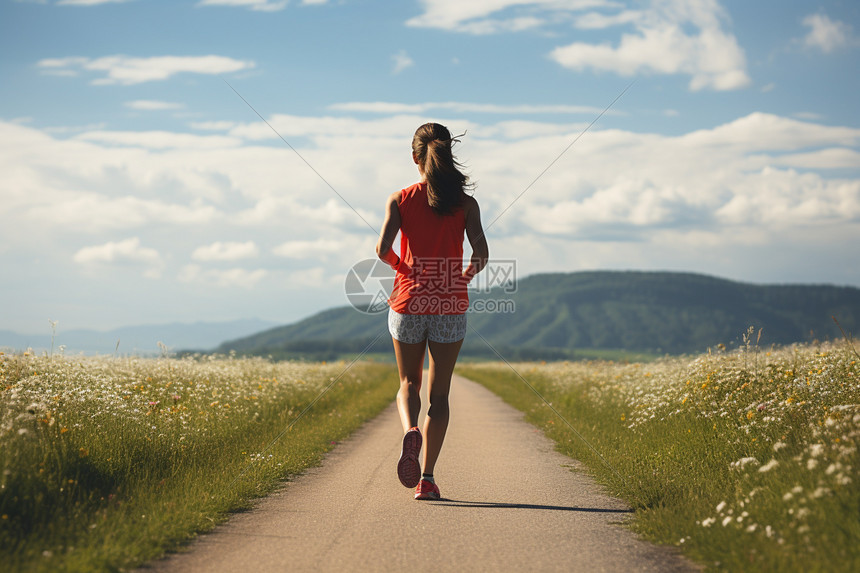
[[429, 301]]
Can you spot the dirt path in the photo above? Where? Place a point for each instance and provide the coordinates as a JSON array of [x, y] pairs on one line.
[[510, 503]]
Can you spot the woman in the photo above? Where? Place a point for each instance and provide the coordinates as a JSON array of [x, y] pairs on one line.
[[429, 301]]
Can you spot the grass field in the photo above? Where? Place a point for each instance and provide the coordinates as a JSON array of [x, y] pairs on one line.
[[745, 460], [107, 462]]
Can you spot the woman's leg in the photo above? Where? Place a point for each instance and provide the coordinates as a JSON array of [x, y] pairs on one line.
[[410, 364], [443, 357]]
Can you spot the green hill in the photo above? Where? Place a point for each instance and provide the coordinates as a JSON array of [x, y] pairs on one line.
[[560, 316]]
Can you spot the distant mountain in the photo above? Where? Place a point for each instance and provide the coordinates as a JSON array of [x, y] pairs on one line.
[[136, 339], [558, 315]]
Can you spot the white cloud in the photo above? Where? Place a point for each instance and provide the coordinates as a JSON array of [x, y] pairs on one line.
[[401, 61], [259, 5], [827, 35], [152, 105], [159, 139], [310, 249], [213, 125], [225, 278], [672, 37], [473, 17], [669, 36], [760, 184], [128, 251], [227, 251], [126, 70]]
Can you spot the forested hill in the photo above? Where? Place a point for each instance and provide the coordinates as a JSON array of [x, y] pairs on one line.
[[558, 314]]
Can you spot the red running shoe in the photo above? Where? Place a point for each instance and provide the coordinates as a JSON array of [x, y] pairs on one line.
[[408, 468], [427, 490]]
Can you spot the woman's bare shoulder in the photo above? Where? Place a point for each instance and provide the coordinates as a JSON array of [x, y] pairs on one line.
[[470, 204]]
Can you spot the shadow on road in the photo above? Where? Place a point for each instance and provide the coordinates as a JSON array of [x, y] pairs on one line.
[[497, 505]]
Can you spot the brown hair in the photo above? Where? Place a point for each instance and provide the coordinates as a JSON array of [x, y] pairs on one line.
[[446, 184]]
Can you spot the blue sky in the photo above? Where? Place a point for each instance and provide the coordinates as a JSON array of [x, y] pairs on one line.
[[138, 188]]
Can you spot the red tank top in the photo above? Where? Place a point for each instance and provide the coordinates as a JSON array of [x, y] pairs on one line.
[[429, 279]]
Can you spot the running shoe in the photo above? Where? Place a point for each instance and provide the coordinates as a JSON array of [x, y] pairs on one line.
[[427, 490], [408, 468]]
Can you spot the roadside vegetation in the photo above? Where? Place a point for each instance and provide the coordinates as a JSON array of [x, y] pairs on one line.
[[745, 460], [108, 462]]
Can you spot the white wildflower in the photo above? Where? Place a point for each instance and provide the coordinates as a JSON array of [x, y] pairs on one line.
[[751, 528], [768, 530], [768, 466], [787, 496], [797, 489], [830, 469], [816, 450], [727, 521], [721, 506], [708, 522], [743, 462], [802, 512], [820, 492], [778, 446]]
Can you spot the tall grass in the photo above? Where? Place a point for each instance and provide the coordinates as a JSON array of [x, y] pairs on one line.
[[108, 462], [746, 460]]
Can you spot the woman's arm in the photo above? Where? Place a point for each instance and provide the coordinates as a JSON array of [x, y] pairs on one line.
[[389, 231], [475, 233]]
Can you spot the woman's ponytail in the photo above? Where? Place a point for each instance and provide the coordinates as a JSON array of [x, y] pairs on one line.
[[446, 184]]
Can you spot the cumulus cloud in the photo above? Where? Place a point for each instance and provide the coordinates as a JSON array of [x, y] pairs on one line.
[[159, 139], [688, 37], [617, 199], [401, 61], [474, 17], [128, 251], [827, 35], [127, 70], [226, 251], [308, 249], [671, 37]]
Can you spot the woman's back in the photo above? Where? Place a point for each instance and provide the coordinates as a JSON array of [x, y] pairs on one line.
[[429, 279]]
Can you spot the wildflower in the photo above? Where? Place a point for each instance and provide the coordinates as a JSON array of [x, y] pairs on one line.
[[708, 522], [768, 466], [721, 507], [778, 446], [816, 450], [727, 521], [743, 462], [787, 496], [752, 528], [811, 464]]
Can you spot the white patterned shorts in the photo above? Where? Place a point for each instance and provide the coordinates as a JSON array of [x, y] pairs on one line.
[[414, 328]]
